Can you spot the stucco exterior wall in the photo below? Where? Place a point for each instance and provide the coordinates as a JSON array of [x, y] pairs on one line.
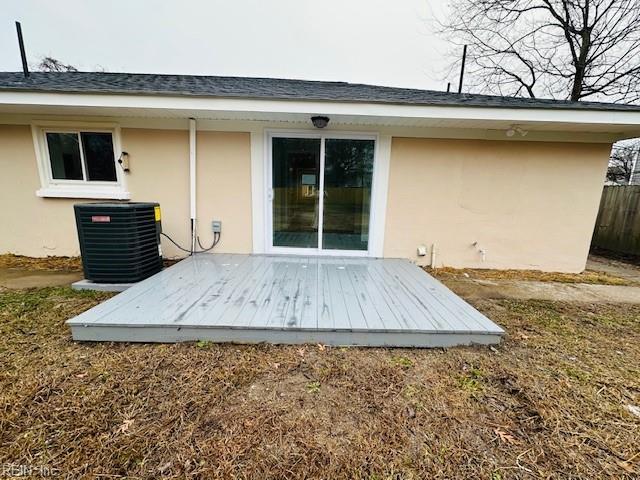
[[30, 225], [223, 191], [159, 161], [528, 205]]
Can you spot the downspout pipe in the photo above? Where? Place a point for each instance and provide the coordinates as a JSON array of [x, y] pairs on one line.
[[192, 181]]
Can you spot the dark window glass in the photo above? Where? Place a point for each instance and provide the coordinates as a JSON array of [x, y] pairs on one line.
[[348, 170], [296, 179], [98, 155], [64, 153]]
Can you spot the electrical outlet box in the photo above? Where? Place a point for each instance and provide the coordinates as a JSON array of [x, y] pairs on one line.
[[216, 226]]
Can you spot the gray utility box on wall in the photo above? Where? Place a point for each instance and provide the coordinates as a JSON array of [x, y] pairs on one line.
[[119, 242]]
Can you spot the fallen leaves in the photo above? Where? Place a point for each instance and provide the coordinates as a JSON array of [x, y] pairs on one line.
[[505, 437], [125, 426]]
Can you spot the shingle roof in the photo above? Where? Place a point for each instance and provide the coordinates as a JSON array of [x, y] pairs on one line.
[[269, 88]]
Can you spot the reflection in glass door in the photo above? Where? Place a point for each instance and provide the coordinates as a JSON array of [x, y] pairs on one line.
[[348, 168], [296, 183], [322, 193]]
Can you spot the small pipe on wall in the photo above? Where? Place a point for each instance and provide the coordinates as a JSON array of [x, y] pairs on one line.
[[192, 180]]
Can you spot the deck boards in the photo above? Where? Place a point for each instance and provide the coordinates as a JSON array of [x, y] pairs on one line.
[[289, 299]]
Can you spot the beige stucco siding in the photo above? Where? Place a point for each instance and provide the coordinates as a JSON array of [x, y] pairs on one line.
[[159, 161], [224, 189], [528, 205], [30, 225]]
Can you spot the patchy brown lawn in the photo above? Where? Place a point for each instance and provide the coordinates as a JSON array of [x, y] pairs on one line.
[[551, 402], [588, 276], [51, 264]]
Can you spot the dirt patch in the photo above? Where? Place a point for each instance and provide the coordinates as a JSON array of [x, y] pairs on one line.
[[618, 268], [588, 276], [626, 258], [14, 278], [167, 262], [529, 290], [553, 401]]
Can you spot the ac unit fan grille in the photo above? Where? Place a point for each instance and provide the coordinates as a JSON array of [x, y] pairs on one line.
[[119, 242]]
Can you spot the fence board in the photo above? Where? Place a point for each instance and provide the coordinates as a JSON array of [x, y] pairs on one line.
[[618, 223]]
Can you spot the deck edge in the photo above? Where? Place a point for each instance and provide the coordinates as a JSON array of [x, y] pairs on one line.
[[253, 336]]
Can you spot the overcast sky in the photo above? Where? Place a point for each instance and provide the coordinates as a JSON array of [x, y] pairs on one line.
[[373, 41]]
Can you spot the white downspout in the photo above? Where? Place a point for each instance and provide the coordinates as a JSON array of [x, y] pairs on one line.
[[192, 181]]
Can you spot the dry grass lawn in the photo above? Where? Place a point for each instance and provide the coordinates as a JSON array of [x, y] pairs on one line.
[[588, 276], [551, 402], [51, 264]]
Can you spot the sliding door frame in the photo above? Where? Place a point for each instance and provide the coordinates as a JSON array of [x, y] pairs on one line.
[[322, 135]]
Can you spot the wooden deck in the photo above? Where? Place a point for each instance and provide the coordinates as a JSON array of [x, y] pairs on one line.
[[289, 299]]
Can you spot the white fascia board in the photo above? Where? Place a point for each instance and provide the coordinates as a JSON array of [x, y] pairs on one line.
[[200, 104]]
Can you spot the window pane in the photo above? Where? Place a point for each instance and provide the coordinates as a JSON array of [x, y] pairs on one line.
[[347, 194], [98, 155], [296, 179], [64, 153]]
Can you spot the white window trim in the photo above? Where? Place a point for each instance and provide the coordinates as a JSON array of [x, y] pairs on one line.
[[378, 191], [56, 188]]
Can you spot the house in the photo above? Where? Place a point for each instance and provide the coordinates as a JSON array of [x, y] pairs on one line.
[[306, 167]]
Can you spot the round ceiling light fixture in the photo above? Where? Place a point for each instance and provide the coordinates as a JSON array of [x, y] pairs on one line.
[[516, 129], [320, 121]]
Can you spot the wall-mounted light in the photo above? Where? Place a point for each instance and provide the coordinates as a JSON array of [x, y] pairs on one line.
[[513, 129], [320, 121], [123, 161]]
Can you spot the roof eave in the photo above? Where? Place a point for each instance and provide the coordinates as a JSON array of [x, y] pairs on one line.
[[621, 123]]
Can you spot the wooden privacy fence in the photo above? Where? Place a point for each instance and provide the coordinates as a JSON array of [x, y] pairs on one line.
[[618, 223]]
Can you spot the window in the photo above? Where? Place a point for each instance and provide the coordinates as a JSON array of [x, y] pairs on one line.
[[84, 156], [79, 162]]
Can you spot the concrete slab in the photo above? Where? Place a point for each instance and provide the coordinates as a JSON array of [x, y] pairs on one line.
[[85, 284]]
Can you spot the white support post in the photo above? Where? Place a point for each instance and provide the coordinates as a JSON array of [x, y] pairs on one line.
[[192, 180], [634, 165]]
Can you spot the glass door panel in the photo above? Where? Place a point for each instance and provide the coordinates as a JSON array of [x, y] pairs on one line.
[[348, 170], [295, 183]]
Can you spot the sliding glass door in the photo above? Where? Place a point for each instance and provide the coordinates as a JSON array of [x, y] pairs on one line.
[[321, 193], [296, 187]]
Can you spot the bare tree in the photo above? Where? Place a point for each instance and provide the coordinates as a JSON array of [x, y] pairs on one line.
[[50, 64], [623, 161], [569, 49]]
